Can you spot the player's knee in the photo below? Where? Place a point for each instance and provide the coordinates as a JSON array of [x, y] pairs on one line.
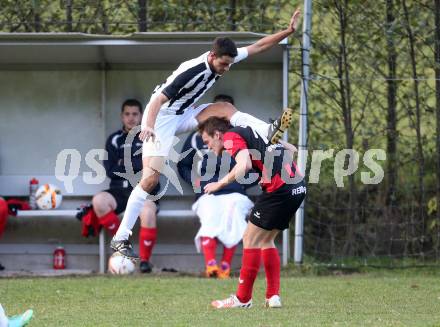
[[228, 107], [99, 203], [227, 110], [219, 109], [149, 183]]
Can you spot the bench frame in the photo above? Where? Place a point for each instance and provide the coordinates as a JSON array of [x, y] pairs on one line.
[[71, 214], [18, 186]]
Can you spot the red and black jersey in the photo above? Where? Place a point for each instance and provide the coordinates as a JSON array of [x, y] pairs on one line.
[[266, 159]]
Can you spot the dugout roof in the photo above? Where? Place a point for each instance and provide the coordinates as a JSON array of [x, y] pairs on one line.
[[151, 48], [85, 77]]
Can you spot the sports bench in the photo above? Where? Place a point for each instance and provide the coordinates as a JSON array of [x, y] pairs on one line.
[[173, 208], [18, 186]]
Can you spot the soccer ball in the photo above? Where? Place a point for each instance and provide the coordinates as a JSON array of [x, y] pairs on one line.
[[120, 265], [48, 196]]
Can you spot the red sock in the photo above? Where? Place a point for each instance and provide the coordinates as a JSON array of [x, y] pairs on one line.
[[228, 254], [249, 269], [3, 215], [147, 239], [209, 245], [89, 224], [272, 265], [110, 222]]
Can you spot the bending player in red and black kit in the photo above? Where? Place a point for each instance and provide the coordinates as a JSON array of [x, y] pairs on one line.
[[283, 193]]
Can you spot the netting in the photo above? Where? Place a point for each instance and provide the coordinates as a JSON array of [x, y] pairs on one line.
[[372, 86], [123, 16]]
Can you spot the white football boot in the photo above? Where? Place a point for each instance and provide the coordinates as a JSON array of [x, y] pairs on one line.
[[273, 302], [231, 302]]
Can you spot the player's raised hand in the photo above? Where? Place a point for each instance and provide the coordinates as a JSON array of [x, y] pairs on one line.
[[294, 21], [146, 133]]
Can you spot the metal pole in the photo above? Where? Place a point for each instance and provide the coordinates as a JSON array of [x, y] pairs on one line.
[[103, 111], [102, 251], [302, 139], [286, 233], [102, 246]]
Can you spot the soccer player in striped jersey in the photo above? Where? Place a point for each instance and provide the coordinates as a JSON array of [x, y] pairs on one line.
[[172, 110]]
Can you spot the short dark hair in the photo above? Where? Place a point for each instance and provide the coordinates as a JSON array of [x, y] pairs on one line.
[[131, 103], [213, 124], [224, 98], [224, 46]]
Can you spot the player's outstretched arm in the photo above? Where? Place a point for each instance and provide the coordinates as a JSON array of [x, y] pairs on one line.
[[273, 39], [148, 130]]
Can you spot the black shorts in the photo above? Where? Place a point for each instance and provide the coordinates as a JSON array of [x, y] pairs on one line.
[[275, 210], [121, 195]]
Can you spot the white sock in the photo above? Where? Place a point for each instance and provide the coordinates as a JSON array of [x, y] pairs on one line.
[[244, 120], [134, 206]]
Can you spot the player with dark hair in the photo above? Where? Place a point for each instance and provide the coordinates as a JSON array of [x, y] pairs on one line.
[[108, 204], [283, 193], [224, 46], [171, 110], [224, 98]]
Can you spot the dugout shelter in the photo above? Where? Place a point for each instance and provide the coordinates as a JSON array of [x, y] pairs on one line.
[[63, 91]]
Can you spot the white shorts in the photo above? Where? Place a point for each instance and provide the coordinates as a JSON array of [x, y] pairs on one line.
[[167, 126], [222, 216]]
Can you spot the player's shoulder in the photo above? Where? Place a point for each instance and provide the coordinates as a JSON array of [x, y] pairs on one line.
[[198, 61], [114, 137], [117, 133], [242, 131], [238, 135]]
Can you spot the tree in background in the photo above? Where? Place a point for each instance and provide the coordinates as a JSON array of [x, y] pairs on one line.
[[392, 165], [436, 10]]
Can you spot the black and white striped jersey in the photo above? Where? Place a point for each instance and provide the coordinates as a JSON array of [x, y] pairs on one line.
[[190, 81]]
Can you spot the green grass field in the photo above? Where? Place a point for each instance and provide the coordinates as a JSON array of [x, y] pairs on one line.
[[353, 300]]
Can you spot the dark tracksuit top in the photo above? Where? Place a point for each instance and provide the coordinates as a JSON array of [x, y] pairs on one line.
[[115, 146]]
